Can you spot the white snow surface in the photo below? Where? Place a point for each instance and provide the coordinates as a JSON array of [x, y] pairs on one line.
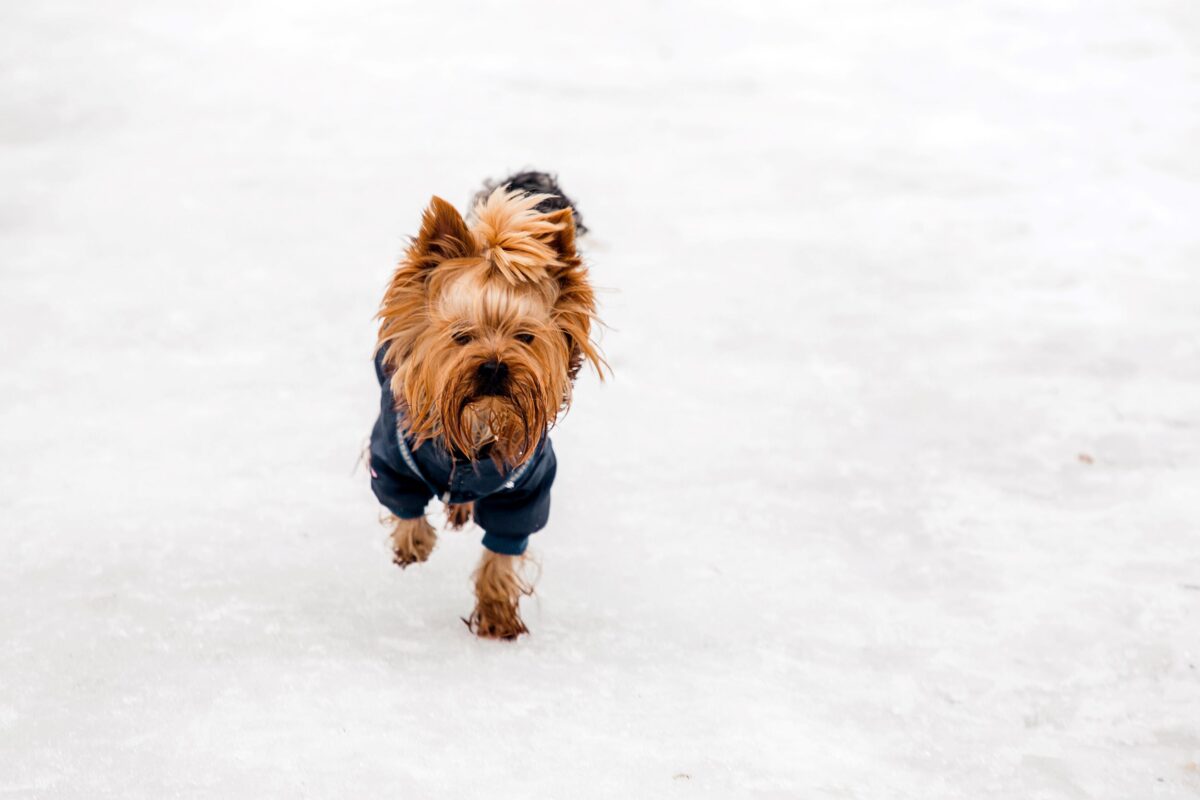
[[894, 491]]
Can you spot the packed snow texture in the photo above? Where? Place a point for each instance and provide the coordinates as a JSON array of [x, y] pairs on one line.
[[894, 491]]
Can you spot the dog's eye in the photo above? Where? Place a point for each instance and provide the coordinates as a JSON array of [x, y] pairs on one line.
[[525, 338], [462, 338]]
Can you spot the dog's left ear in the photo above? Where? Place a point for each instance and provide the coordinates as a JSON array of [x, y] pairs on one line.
[[575, 308], [563, 239]]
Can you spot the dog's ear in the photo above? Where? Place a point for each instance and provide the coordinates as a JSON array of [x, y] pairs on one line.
[[563, 239], [575, 308], [443, 234]]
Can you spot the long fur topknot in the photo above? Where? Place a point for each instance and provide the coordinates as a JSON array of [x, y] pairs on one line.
[[518, 240], [531, 182]]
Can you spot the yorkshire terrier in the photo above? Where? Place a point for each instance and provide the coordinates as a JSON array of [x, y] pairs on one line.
[[483, 328]]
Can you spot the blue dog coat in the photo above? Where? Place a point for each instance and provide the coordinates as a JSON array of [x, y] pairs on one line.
[[509, 504]]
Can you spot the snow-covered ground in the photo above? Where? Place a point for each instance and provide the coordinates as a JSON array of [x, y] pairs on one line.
[[895, 491]]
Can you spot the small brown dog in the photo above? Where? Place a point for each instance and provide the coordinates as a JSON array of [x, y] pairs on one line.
[[484, 326]]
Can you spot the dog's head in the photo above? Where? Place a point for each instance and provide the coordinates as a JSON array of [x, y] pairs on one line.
[[487, 325]]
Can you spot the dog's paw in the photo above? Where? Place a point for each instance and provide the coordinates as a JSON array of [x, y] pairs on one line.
[[412, 541], [458, 514], [496, 620]]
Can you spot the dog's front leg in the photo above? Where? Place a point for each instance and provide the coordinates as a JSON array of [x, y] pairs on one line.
[[412, 540], [498, 590]]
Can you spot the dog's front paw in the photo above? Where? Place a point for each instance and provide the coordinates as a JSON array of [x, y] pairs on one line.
[[496, 620], [412, 541], [499, 588]]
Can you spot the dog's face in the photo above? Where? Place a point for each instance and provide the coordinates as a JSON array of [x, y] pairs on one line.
[[487, 325]]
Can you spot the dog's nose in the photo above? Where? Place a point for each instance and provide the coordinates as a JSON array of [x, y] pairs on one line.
[[492, 377]]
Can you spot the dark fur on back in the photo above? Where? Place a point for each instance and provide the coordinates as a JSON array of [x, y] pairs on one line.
[[532, 182]]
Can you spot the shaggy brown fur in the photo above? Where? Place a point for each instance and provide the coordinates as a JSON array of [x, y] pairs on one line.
[[412, 540], [505, 291], [499, 587], [458, 515]]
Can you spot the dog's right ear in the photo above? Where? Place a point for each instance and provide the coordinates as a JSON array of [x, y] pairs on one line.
[[444, 234]]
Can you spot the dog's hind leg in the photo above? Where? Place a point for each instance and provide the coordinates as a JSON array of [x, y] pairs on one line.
[[412, 540], [458, 514], [498, 590]]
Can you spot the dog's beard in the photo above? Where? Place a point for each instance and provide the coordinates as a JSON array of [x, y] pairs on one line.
[[506, 427]]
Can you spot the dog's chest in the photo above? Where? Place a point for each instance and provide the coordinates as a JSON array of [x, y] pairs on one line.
[[456, 480]]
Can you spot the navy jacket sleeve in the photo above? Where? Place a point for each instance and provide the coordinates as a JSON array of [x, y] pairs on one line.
[[398, 489], [509, 517]]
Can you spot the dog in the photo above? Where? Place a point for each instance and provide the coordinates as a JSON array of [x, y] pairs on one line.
[[484, 327]]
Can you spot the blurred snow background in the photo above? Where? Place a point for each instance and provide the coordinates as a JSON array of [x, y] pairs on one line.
[[895, 492]]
